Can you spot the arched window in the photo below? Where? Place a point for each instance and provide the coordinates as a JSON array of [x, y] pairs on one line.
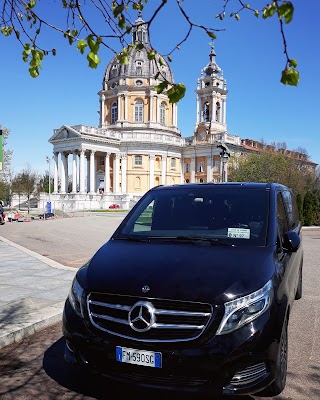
[[163, 113], [138, 111], [206, 112], [114, 113], [218, 108]]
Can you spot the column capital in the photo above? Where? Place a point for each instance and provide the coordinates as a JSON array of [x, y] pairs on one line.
[[118, 155], [107, 155], [124, 156], [93, 152], [152, 157]]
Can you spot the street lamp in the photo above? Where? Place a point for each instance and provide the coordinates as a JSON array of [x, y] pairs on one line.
[[224, 154], [48, 161]]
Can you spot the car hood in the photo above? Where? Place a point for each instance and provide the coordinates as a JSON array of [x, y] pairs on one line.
[[183, 271]]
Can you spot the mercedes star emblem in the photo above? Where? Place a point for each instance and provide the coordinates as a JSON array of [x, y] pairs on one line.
[[142, 316], [145, 289]]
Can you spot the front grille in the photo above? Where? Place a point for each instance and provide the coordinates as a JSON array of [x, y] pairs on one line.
[[129, 317], [249, 375]]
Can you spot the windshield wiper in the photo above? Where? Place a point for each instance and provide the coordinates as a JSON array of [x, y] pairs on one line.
[[214, 241], [134, 238]]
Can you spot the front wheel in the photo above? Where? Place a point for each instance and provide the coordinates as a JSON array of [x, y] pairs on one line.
[[279, 384]]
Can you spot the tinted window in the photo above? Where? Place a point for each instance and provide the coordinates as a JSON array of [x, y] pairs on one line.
[[281, 215], [210, 211], [292, 209]]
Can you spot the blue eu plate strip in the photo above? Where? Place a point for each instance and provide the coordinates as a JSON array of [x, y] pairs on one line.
[[157, 360], [119, 354]]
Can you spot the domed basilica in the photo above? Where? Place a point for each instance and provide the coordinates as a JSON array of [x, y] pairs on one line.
[[137, 144]]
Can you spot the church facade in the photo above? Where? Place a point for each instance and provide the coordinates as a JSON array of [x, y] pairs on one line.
[[137, 144]]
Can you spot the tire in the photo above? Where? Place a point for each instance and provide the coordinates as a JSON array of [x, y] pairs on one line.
[[299, 288], [279, 384]]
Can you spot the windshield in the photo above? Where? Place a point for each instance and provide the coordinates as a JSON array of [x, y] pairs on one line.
[[237, 215]]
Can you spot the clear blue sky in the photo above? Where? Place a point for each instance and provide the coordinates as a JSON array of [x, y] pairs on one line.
[[250, 52]]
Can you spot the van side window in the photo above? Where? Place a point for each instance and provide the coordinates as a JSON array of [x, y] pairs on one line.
[[281, 216], [292, 209]]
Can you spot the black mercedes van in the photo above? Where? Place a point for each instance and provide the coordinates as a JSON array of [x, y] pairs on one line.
[[193, 292]]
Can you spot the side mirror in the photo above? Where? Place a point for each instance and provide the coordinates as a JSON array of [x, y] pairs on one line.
[[291, 242]]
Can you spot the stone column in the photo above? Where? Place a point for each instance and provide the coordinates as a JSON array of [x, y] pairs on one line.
[[213, 109], [151, 106], [126, 116], [102, 111], [88, 174], [63, 173], [224, 111], [198, 109], [116, 163], [82, 182], [163, 170], [55, 173], [157, 109], [92, 172], [74, 172], [209, 169], [182, 170], [175, 115], [119, 108], [193, 169], [151, 170], [123, 173], [107, 173]]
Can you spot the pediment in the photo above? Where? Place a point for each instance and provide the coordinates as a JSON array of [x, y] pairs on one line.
[[65, 133]]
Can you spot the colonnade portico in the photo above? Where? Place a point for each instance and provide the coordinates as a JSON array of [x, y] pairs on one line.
[[82, 173]]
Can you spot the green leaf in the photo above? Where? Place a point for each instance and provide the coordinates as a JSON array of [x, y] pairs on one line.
[[93, 45], [293, 63], [161, 87], [212, 35], [123, 57], [32, 3], [152, 54], [237, 17], [122, 21], [54, 52], [169, 58], [290, 76], [118, 10], [269, 10], [93, 59], [34, 72], [176, 93], [286, 11], [82, 45], [256, 13]]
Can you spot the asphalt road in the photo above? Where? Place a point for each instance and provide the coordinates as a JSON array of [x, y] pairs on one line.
[[34, 368]]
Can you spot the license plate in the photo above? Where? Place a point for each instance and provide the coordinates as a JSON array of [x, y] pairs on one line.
[[139, 357]]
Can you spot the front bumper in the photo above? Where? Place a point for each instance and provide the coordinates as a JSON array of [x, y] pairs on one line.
[[242, 362]]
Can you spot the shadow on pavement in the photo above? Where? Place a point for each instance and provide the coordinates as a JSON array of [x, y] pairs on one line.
[[78, 380]]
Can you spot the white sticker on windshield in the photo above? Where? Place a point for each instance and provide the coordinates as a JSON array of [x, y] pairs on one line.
[[239, 233]]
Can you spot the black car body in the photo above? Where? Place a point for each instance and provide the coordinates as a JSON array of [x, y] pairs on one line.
[[193, 292]]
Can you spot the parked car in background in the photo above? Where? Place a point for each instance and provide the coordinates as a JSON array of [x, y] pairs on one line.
[[193, 291], [112, 206]]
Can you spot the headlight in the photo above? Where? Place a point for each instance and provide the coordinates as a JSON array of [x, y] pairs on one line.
[[245, 309], [75, 296]]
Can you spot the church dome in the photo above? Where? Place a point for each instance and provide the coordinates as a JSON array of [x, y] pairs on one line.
[[139, 66]]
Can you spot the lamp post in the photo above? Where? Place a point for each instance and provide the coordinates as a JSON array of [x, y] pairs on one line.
[[48, 161], [224, 154]]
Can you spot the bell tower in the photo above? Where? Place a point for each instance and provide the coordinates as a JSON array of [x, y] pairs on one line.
[[211, 101]]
